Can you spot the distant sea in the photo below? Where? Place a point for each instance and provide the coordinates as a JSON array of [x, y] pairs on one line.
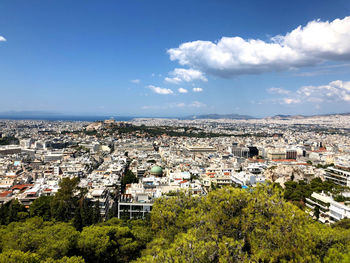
[[51, 117]]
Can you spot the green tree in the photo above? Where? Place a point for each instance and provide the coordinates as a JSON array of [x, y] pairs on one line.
[[41, 207], [96, 216], [77, 220], [86, 212], [67, 199], [107, 244], [128, 178], [15, 211], [47, 239], [344, 223], [73, 259], [8, 140], [235, 225], [17, 256]]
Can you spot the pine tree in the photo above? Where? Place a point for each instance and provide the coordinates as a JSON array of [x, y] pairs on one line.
[[96, 212]]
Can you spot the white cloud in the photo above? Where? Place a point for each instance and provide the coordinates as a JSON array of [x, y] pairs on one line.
[[197, 89], [335, 91], [324, 69], [172, 105], [135, 81], [197, 104], [179, 75], [278, 91], [182, 90], [304, 46], [290, 101], [179, 105], [160, 90], [2, 39]]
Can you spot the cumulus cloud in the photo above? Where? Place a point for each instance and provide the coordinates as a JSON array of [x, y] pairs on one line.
[[335, 91], [308, 45], [179, 75], [135, 81], [159, 90], [2, 39], [182, 90], [197, 89]]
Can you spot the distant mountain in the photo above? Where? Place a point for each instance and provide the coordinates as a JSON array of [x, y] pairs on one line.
[[289, 117], [54, 116], [219, 116], [332, 114], [286, 117]]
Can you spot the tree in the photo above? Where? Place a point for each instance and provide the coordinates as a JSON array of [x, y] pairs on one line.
[[86, 212], [77, 220], [73, 259], [344, 223], [107, 244], [46, 239], [8, 140], [96, 215], [67, 198], [17, 256], [317, 212], [15, 210], [41, 207], [128, 178], [235, 225]]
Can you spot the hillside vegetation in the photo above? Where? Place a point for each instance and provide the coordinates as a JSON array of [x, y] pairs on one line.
[[228, 225]]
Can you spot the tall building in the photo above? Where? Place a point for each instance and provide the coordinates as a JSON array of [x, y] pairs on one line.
[[240, 152], [291, 154], [338, 176]]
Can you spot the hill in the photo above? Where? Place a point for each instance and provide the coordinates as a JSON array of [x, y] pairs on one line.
[[215, 116]]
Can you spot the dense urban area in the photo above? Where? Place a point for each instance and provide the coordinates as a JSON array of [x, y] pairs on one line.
[[168, 190]]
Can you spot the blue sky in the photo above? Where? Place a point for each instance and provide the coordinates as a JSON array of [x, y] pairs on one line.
[[173, 58]]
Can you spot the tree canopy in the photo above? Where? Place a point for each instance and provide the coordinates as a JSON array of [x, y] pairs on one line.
[[227, 225], [236, 225]]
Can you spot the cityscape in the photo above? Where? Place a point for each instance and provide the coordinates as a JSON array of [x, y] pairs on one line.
[[162, 131]]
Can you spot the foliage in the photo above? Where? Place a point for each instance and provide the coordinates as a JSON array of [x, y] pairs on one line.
[[90, 132], [12, 211], [41, 207], [47, 239], [8, 140], [107, 244], [68, 205], [128, 178], [227, 225], [344, 223], [67, 199], [324, 166], [236, 225], [36, 240], [17, 256], [299, 191]]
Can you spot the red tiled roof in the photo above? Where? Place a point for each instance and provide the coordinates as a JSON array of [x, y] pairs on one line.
[[5, 193], [321, 149], [283, 160], [21, 186]]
